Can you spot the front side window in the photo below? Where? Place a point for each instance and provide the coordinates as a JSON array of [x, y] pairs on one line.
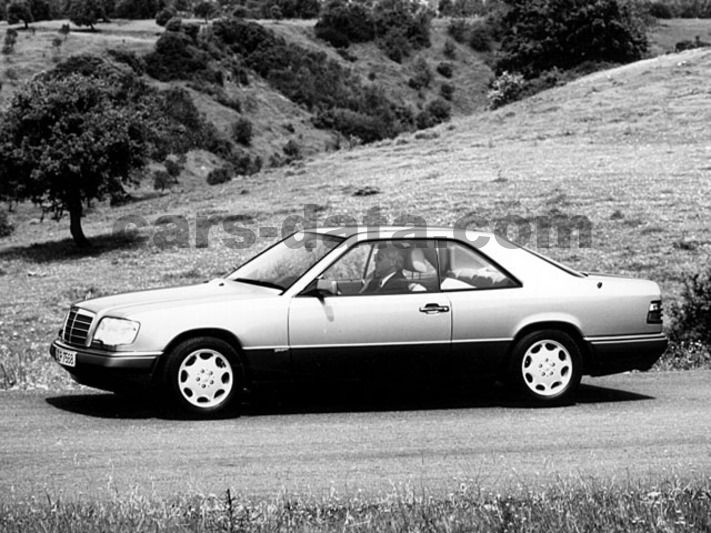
[[385, 267], [285, 262], [461, 268]]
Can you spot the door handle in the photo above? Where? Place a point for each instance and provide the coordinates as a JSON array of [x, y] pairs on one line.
[[434, 308]]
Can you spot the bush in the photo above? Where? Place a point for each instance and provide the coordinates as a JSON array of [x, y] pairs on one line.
[[367, 128], [219, 175], [458, 29], [564, 33], [450, 49], [174, 24], [480, 36], [445, 69], [137, 64], [163, 180], [6, 228], [164, 15], [136, 9], [505, 88], [292, 150], [422, 76], [172, 167], [176, 56], [691, 318], [340, 21], [240, 12], [242, 131], [395, 45], [436, 112], [446, 90], [660, 10]]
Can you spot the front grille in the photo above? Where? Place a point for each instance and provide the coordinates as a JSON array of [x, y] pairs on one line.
[[76, 327]]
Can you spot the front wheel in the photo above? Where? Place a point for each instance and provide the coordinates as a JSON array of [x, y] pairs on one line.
[[202, 376], [547, 366]]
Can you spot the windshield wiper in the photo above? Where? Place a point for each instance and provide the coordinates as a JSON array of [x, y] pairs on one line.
[[261, 283]]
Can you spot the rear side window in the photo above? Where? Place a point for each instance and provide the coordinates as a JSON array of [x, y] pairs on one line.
[[461, 268]]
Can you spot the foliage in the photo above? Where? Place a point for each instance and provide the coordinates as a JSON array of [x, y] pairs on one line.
[[446, 90], [136, 9], [219, 175], [19, 10], [292, 150], [397, 26], [660, 10], [242, 131], [164, 15], [85, 12], [445, 69], [10, 41], [177, 56], [478, 33], [6, 227], [163, 180], [367, 128], [174, 24], [137, 64], [435, 112], [449, 50], [505, 88], [82, 130], [691, 318], [205, 10], [172, 167], [690, 8], [422, 76], [341, 23], [541, 34], [467, 8]]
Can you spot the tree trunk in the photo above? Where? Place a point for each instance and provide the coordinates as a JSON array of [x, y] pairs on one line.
[[75, 211]]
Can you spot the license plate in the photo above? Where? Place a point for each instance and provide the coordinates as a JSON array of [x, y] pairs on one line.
[[66, 357]]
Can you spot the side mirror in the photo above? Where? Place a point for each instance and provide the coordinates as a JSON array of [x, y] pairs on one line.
[[326, 286]]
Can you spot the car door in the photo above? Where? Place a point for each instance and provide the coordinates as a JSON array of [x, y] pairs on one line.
[[391, 333]]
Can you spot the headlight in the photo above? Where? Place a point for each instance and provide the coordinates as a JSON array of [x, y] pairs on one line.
[[115, 331]]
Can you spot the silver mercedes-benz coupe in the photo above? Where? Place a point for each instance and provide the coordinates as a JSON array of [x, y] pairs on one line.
[[364, 304]]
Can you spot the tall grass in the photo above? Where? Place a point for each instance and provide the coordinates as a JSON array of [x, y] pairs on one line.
[[578, 506]]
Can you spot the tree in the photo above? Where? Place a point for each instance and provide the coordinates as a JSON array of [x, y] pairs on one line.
[[205, 10], [19, 11], [69, 139], [541, 34], [85, 12]]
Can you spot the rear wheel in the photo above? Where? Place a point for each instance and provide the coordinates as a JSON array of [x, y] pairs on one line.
[[547, 366], [202, 376]]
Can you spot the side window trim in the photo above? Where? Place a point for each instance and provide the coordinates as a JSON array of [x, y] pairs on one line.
[[442, 245]]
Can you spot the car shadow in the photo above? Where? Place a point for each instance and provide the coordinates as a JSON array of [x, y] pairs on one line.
[[350, 398]]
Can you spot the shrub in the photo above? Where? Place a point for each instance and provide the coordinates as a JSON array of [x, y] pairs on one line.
[[395, 45], [480, 36], [10, 41], [219, 175], [340, 21], [174, 24], [292, 150], [177, 57], [137, 64], [172, 167], [435, 112], [564, 33], [242, 131], [164, 15], [446, 90], [445, 69], [450, 49], [660, 10], [412, 19], [240, 12], [6, 227], [422, 76], [350, 123], [136, 9], [163, 180], [691, 318], [458, 29], [205, 10], [505, 88]]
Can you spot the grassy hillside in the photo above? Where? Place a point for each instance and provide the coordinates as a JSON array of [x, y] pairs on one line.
[[627, 148]]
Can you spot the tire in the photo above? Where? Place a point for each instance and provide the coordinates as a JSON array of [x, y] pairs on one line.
[[546, 367], [202, 376]]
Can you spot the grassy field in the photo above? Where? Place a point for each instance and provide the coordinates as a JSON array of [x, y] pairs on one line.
[[674, 505], [627, 148]]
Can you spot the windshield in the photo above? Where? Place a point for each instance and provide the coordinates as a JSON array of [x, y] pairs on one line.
[[285, 262]]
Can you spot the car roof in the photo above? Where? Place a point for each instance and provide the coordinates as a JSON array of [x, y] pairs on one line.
[[386, 232]]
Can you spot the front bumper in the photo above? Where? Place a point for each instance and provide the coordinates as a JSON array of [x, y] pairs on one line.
[[625, 352], [113, 371]]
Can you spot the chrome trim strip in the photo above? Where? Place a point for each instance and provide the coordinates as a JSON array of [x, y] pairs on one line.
[[626, 338], [493, 339], [361, 344], [119, 355]]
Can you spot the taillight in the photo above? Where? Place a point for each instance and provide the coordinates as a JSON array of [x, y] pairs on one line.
[[654, 315]]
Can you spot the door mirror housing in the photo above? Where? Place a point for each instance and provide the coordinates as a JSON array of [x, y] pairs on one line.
[[326, 286]]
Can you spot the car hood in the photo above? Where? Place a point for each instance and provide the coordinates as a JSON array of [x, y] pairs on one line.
[[210, 291]]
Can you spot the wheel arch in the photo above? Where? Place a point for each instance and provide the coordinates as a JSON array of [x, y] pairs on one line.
[[218, 333], [560, 325]]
